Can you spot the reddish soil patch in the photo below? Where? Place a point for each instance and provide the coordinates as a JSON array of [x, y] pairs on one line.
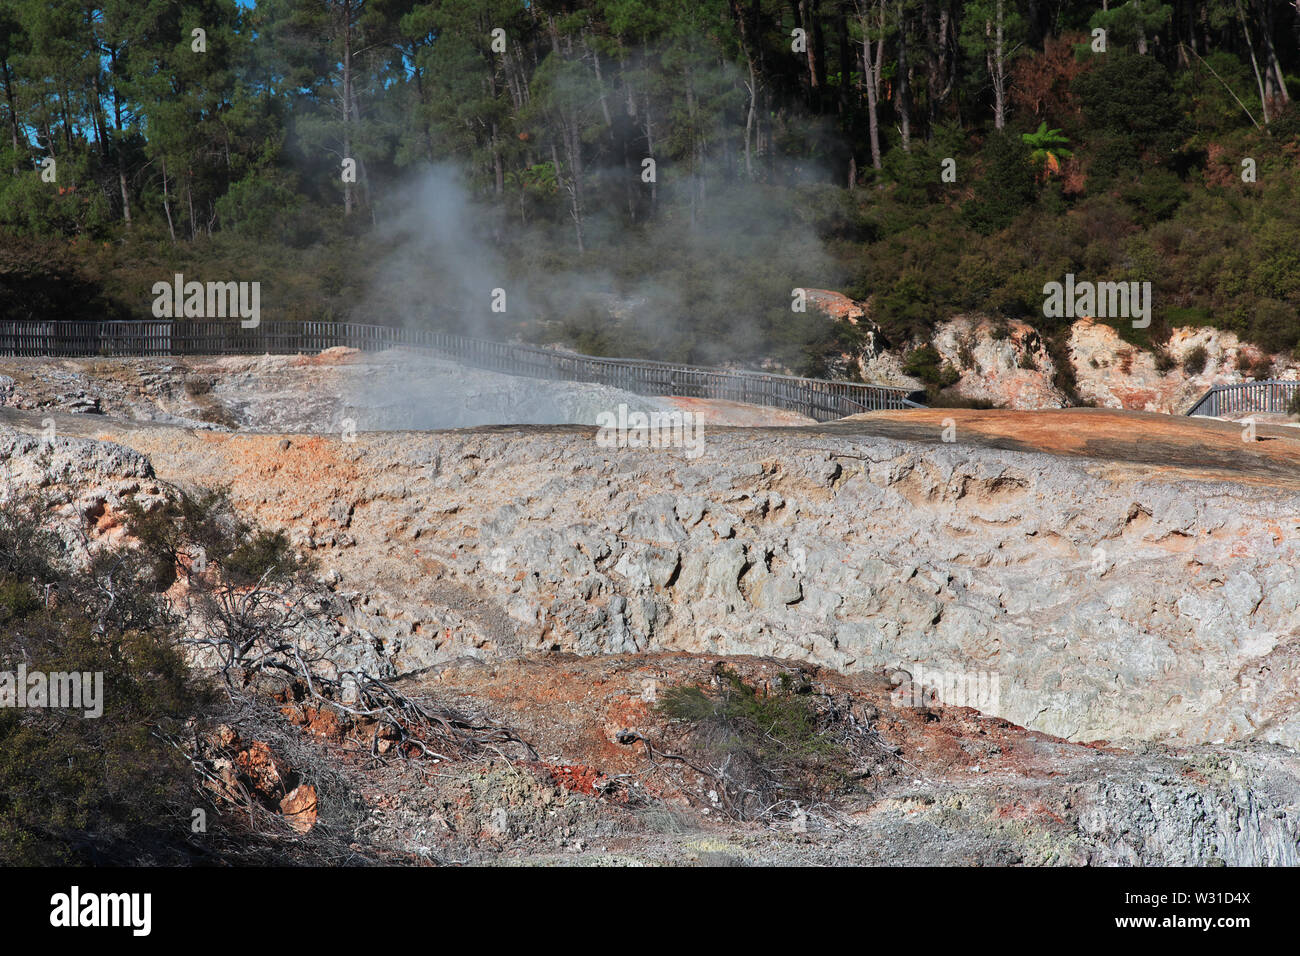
[[1178, 446]]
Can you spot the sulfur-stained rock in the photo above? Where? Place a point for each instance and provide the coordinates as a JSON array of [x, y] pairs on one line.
[[298, 807], [262, 769]]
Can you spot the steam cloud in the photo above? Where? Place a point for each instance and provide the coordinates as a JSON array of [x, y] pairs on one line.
[[706, 281]]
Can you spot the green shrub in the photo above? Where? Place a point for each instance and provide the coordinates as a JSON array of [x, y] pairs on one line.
[[1005, 188], [27, 545], [928, 365], [17, 599], [1155, 197], [1132, 98], [1194, 361], [258, 555], [774, 744], [78, 789], [204, 523]]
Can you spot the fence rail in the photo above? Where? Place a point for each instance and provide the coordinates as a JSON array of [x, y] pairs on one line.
[[816, 398], [1266, 396]]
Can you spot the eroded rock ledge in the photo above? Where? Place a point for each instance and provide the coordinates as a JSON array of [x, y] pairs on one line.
[[1112, 602]]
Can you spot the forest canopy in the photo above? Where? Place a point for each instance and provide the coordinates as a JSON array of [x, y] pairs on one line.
[[654, 178]]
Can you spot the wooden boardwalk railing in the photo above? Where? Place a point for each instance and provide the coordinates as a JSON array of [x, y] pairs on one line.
[[816, 398], [1266, 396]]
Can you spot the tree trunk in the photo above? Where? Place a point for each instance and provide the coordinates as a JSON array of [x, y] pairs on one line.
[[347, 100], [873, 105], [1254, 62], [871, 66], [810, 53], [690, 113], [648, 126], [745, 30], [752, 86], [498, 167], [572, 150], [1277, 80], [167, 205], [97, 117], [998, 69], [933, 49], [126, 197], [904, 91], [13, 113], [818, 44], [946, 57], [845, 58], [67, 123], [600, 84]]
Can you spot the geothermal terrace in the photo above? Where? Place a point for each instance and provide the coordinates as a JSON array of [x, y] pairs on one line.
[[1131, 580]]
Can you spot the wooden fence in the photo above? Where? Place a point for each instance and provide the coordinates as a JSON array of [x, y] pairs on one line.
[[816, 398]]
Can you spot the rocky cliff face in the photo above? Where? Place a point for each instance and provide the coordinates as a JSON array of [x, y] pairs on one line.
[[1006, 363], [1092, 595], [1113, 374], [1110, 605], [1112, 602]]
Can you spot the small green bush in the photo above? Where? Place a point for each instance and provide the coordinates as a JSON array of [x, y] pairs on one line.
[[775, 744], [205, 522], [27, 545], [1194, 361], [928, 365]]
